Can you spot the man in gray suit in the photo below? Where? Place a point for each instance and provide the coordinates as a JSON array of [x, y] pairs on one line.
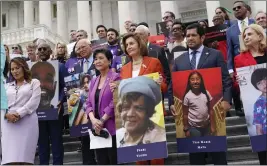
[[201, 57]]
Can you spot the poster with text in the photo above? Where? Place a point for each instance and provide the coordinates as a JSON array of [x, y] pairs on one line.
[[47, 74], [200, 120], [77, 91], [253, 86], [157, 40], [216, 33], [99, 44], [140, 126]]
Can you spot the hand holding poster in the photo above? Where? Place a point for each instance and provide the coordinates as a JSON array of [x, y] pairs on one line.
[[200, 120], [137, 100], [253, 82], [77, 92], [47, 74]]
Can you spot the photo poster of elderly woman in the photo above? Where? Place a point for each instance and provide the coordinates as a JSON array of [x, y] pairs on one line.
[[200, 120], [140, 126], [77, 91], [47, 73], [252, 81]]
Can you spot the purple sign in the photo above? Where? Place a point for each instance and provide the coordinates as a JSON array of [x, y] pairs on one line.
[[47, 114], [258, 143], [81, 130], [202, 144], [142, 152]]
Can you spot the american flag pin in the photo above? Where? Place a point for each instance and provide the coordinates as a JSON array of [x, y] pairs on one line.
[[207, 53]]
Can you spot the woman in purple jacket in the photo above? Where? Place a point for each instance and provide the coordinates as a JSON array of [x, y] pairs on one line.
[[100, 107]]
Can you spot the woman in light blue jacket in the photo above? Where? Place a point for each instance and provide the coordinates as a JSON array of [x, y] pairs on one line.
[[3, 90]]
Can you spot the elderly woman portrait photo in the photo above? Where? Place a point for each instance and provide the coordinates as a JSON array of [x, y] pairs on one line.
[[136, 105]]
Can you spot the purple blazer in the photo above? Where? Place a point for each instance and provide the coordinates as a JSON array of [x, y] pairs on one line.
[[105, 104]]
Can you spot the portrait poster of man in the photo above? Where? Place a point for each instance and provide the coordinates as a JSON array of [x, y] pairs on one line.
[[162, 29], [77, 90], [200, 120], [253, 86], [140, 126], [47, 74]]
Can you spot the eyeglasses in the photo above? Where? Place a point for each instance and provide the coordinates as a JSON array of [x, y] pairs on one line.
[[15, 48], [132, 30], [237, 8], [176, 29], [42, 48], [100, 31], [166, 17], [216, 19]]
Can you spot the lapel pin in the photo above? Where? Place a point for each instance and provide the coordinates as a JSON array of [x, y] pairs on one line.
[[207, 53]]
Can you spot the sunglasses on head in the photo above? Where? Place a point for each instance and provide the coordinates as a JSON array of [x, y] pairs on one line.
[[237, 8], [42, 48], [15, 48]]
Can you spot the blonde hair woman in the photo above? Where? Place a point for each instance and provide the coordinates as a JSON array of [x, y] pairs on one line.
[[253, 53], [60, 53]]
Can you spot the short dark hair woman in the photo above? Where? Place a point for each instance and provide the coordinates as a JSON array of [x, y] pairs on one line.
[[20, 123], [100, 108], [198, 117], [223, 12]]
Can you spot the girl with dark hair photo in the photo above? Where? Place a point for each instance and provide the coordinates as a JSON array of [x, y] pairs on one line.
[[198, 117], [259, 81]]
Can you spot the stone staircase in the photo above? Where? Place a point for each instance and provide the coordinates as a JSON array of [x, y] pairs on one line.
[[239, 149]]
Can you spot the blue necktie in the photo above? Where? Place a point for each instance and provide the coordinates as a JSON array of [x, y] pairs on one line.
[[193, 61]]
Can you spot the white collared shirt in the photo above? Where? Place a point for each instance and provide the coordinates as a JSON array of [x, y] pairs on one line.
[[89, 62], [198, 54], [240, 23]]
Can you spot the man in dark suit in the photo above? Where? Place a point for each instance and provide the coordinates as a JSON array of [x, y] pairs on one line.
[[85, 65], [201, 57], [233, 45]]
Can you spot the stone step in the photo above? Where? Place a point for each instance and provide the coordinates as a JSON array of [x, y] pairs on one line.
[[233, 155], [230, 130]]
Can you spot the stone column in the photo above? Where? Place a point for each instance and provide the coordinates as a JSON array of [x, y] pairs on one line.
[[45, 13], [96, 16], [170, 6], [127, 10], [84, 17], [62, 21], [28, 13], [257, 6], [211, 7]]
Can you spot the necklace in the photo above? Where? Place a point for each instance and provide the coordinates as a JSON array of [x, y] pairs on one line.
[[138, 62]]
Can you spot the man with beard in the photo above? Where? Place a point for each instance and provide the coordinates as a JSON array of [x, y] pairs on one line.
[[233, 46], [113, 42], [50, 130]]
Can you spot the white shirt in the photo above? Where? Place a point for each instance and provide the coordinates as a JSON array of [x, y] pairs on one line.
[[198, 109], [87, 63], [198, 54], [135, 73], [240, 23]]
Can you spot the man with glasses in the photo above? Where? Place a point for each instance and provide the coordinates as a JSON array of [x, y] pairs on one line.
[[101, 31], [73, 37], [178, 36], [127, 25], [81, 34], [133, 27], [168, 16], [233, 45]]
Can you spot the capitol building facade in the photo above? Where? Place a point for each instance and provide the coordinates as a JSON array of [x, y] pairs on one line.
[[24, 21]]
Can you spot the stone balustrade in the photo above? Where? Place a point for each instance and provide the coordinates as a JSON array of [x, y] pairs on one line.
[[26, 35]]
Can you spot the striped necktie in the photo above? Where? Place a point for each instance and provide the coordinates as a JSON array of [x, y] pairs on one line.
[[193, 61]]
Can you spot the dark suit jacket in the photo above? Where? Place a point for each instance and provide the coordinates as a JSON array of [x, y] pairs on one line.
[[233, 45], [210, 58], [78, 68]]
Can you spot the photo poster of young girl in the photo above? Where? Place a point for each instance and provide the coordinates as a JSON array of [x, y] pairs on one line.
[[252, 81], [77, 90], [200, 120]]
